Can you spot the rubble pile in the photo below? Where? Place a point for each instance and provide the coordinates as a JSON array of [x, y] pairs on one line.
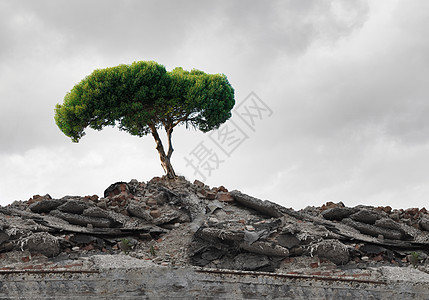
[[178, 223]]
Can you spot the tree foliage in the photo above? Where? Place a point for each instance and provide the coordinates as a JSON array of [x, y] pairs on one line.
[[142, 97]]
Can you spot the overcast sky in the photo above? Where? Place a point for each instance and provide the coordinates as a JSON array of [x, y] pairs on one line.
[[338, 91]]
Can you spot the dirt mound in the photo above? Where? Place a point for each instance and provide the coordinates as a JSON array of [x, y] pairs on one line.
[[179, 223]]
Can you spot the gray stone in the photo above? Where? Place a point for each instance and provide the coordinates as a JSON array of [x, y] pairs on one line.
[[388, 224], [7, 246], [161, 198], [424, 223], [45, 206], [116, 189], [288, 240], [73, 206], [212, 253], [81, 220], [250, 261], [43, 243], [167, 216], [372, 249], [82, 238], [365, 216], [332, 250], [3, 237], [210, 234], [264, 207], [139, 212], [252, 236], [265, 248], [96, 211], [374, 230], [337, 213]]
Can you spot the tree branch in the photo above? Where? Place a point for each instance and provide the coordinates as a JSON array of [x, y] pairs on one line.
[[180, 120], [169, 132]]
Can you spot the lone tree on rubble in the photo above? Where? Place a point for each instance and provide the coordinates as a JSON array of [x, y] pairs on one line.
[[143, 97]]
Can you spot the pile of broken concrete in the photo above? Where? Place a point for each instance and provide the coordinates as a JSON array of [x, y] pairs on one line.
[[178, 223]]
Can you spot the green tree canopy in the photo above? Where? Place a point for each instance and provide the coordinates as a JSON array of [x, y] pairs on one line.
[[143, 97]]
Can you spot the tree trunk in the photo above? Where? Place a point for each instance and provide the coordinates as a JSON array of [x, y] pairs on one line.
[[165, 159]]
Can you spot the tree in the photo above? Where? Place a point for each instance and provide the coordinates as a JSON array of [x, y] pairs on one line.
[[143, 97]]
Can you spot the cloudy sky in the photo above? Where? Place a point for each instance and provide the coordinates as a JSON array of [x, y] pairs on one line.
[[338, 91]]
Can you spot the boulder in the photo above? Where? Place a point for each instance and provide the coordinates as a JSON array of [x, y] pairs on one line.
[[96, 211], [46, 205], [388, 224], [265, 248], [139, 212], [365, 216], [116, 189], [265, 207], [288, 240], [251, 261], [337, 213], [3, 237], [43, 243], [73, 206], [167, 216], [374, 230], [424, 223], [332, 250], [81, 220], [224, 197]]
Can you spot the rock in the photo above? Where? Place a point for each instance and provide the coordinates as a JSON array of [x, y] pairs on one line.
[[95, 211], [265, 248], [167, 216], [365, 216], [81, 220], [205, 254], [93, 198], [251, 236], [288, 240], [374, 230], [193, 205], [36, 198], [424, 223], [3, 237], [331, 204], [116, 189], [332, 250], [222, 189], [265, 207], [7, 246], [372, 249], [337, 213], [250, 261], [224, 197], [386, 209], [388, 224], [156, 213], [212, 253], [45, 206], [210, 195], [151, 202], [73, 206], [82, 239], [139, 212], [198, 183], [161, 198], [210, 234], [43, 243]]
